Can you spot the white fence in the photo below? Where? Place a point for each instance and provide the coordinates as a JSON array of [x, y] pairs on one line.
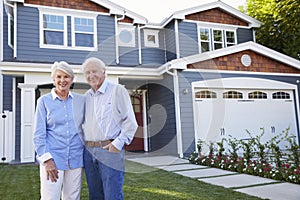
[[7, 137]]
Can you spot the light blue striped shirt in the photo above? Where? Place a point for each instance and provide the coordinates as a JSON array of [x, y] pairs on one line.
[[109, 115], [58, 130]]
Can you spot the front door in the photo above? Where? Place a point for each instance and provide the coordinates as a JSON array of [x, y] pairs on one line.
[[138, 142]]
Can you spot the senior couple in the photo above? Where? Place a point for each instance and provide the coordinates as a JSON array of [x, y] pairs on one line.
[[63, 147]]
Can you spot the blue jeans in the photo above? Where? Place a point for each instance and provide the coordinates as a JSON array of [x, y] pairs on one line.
[[104, 173]]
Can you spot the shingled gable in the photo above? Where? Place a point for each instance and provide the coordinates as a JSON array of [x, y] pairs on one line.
[[91, 5], [263, 59], [216, 12]]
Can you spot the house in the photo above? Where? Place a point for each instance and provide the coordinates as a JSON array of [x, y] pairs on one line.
[[199, 74]]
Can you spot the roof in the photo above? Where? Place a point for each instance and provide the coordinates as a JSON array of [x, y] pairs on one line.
[[217, 4], [182, 63]]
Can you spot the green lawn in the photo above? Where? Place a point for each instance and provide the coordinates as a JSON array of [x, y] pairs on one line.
[[19, 182]]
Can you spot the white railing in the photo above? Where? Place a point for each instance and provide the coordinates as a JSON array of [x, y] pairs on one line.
[[7, 137]]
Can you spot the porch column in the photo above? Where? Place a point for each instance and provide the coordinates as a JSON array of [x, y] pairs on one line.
[[27, 153]]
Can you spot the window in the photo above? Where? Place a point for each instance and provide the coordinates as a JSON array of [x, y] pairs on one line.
[[126, 35], [230, 38], [151, 38], [218, 39], [257, 95], [281, 95], [84, 32], [215, 38], [74, 30], [204, 40], [54, 30], [232, 95], [206, 94]]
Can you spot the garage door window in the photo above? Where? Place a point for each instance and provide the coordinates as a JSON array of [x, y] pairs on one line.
[[232, 95], [281, 95], [206, 94], [257, 95]]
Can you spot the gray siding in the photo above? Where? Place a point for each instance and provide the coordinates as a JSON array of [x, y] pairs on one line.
[[186, 104], [7, 92], [7, 51], [161, 93], [244, 35], [188, 39], [153, 55], [28, 40], [170, 41]]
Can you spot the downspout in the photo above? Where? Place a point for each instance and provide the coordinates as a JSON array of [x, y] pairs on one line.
[[177, 39], [177, 110], [139, 44], [15, 30], [116, 37]]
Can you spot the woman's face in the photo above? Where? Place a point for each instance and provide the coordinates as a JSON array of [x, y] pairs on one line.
[[62, 81]]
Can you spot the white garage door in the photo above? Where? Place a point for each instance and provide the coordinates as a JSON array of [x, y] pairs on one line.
[[220, 112]]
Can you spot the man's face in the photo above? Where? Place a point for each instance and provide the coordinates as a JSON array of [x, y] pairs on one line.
[[94, 76]]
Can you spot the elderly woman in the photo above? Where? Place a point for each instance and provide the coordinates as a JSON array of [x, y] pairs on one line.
[[58, 137]]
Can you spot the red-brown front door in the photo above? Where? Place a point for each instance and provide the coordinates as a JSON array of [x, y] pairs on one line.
[[137, 143]]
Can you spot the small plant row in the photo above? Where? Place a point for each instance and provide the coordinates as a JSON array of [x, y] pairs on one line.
[[253, 157]]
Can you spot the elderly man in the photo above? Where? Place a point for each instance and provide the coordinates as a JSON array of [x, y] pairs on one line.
[[109, 124]]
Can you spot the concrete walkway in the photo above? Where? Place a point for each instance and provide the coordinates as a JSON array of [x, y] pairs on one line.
[[251, 185]]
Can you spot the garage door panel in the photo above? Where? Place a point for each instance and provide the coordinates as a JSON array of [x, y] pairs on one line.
[[218, 118]]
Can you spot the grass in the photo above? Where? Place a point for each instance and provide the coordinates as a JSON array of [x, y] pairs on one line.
[[18, 182]]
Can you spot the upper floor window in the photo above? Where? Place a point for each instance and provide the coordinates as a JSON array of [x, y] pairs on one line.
[[126, 35], [204, 40], [218, 39], [54, 30], [215, 38], [84, 31], [151, 38], [230, 38], [74, 30]]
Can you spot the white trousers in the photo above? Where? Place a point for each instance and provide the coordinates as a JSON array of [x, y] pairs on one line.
[[68, 185]]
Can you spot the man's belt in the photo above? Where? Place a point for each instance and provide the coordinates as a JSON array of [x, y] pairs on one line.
[[98, 143]]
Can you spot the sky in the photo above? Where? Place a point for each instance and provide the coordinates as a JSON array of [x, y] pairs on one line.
[[157, 10]]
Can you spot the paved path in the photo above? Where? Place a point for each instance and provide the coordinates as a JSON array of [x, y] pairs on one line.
[[251, 185]]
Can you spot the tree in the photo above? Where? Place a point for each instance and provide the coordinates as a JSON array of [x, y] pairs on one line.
[[281, 24]]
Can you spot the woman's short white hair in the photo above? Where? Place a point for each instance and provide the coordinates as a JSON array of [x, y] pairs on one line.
[[95, 62], [63, 66]]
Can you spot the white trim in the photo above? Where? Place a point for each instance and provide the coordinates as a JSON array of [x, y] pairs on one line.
[[15, 31], [241, 72], [130, 29], [139, 43], [177, 114], [219, 4], [235, 49], [116, 40], [145, 127], [155, 34], [14, 91]]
